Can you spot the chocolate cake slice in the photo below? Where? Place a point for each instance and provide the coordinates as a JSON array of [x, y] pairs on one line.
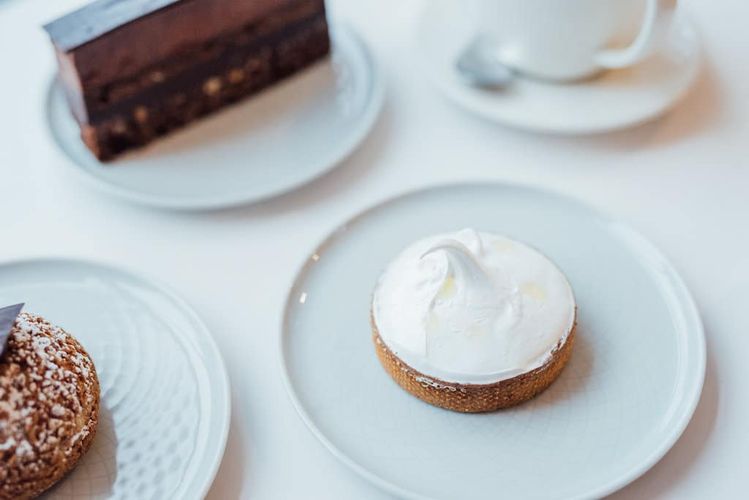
[[133, 70]]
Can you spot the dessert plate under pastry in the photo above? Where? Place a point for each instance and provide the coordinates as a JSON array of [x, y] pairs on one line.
[[270, 144], [614, 100], [625, 396], [164, 411]]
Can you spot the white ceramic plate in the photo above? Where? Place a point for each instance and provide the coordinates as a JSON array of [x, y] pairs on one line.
[[164, 389], [630, 388], [267, 145], [612, 101]]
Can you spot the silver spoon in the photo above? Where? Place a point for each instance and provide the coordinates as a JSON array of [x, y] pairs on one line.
[[479, 67]]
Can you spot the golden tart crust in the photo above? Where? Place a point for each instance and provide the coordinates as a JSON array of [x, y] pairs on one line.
[[474, 398]]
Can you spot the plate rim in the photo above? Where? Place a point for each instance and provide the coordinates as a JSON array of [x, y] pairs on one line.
[[372, 110], [690, 396], [667, 104], [168, 292]]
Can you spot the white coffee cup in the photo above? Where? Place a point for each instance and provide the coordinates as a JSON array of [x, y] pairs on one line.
[[570, 39]]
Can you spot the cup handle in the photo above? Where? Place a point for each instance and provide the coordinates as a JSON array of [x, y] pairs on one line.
[[655, 12]]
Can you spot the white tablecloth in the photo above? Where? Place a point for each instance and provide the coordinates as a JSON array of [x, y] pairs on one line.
[[683, 181]]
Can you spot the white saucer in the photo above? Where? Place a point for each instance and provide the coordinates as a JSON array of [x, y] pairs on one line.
[[270, 144], [616, 99], [164, 389], [630, 388]]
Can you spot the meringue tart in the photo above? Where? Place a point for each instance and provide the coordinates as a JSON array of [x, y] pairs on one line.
[[472, 321]]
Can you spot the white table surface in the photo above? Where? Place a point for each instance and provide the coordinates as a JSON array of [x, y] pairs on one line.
[[683, 181]]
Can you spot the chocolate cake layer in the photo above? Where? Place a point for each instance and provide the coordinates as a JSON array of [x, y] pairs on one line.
[[210, 58], [228, 54], [144, 117], [151, 30]]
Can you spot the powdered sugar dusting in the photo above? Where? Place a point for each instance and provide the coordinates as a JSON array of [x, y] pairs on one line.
[[47, 393]]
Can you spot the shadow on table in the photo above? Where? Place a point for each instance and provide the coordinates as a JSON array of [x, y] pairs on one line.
[[228, 482], [700, 110], [679, 461]]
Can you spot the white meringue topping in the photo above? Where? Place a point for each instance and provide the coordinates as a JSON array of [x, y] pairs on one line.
[[472, 307]]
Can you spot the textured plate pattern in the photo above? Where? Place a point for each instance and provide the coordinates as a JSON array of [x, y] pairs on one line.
[[629, 389], [164, 392]]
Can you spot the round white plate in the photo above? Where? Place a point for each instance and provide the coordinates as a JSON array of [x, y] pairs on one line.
[[164, 389], [629, 390], [267, 145], [615, 100]]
